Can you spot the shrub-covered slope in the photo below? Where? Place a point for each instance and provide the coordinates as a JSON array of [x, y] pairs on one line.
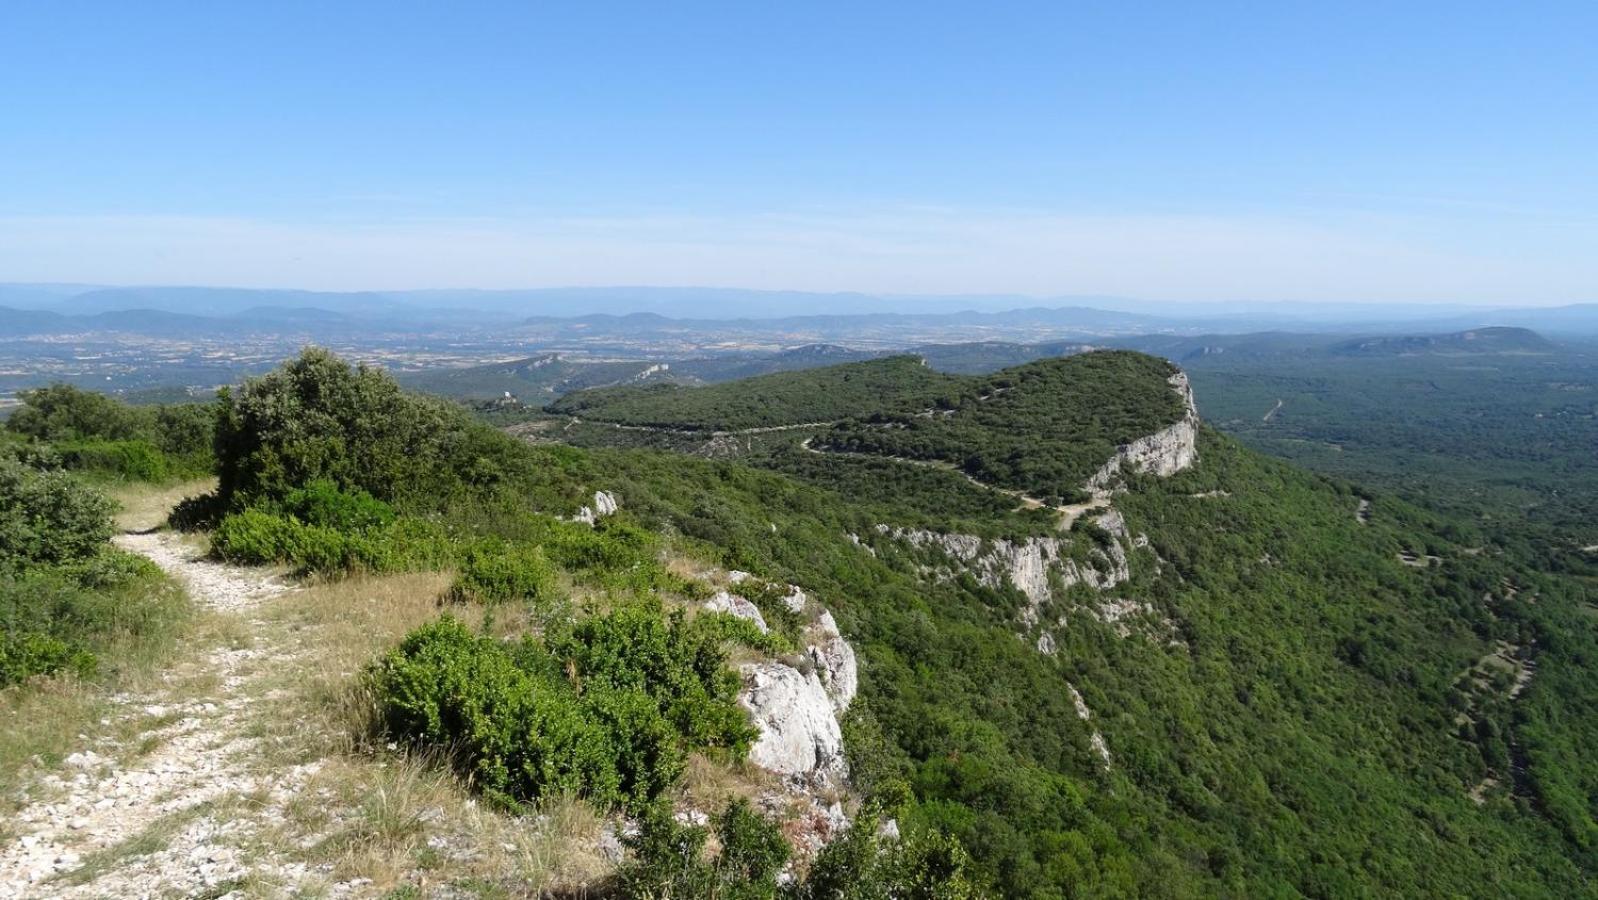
[[1295, 697], [897, 384], [1255, 680]]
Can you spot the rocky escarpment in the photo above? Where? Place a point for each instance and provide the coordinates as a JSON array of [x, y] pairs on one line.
[[1037, 567], [1045, 568], [1163, 453], [796, 703]]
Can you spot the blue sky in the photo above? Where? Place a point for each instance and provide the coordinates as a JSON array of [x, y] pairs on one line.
[[1195, 151]]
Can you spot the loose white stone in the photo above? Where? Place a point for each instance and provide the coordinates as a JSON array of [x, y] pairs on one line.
[[738, 606]]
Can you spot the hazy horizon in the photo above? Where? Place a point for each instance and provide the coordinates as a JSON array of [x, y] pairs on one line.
[[58, 296], [1269, 155]]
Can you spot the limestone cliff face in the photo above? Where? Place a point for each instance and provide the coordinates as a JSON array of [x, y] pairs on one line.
[[1043, 568], [1163, 453], [1032, 565], [799, 733], [796, 703]]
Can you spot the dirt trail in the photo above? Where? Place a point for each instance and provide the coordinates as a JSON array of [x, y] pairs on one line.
[[169, 810]]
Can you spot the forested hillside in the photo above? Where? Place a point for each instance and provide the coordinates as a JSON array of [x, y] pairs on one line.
[[898, 384], [1301, 688], [1216, 675]]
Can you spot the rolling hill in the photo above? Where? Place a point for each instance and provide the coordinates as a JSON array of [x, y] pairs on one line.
[[1218, 675]]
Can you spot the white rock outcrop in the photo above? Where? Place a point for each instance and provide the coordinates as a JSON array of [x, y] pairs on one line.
[[1163, 453], [605, 504], [1028, 565], [799, 733], [732, 604], [795, 702], [1095, 739], [834, 660]]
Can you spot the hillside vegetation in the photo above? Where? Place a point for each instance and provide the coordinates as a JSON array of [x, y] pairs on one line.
[[1042, 428], [1285, 687], [898, 384], [1301, 724]]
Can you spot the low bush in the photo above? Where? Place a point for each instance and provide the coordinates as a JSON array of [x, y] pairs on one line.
[[670, 858], [257, 537], [26, 654], [495, 572], [321, 503], [863, 864], [59, 618], [131, 460], [46, 517], [609, 710]]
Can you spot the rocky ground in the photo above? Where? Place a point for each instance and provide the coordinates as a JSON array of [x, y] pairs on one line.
[[241, 771], [153, 807]]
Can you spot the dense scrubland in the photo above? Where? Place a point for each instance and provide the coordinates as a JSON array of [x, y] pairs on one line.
[[1310, 725], [1504, 437], [1312, 732]]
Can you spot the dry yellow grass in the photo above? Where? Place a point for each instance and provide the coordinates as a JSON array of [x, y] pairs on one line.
[[372, 812], [40, 723], [709, 784], [338, 628], [143, 507]]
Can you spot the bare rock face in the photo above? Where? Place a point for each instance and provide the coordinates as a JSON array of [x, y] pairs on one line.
[[834, 660], [605, 504], [799, 734], [795, 599], [1028, 565], [1163, 453], [741, 607], [1095, 739], [794, 705]]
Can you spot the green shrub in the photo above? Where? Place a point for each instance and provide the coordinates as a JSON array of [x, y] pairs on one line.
[[681, 663], [318, 418], [494, 572], [26, 654], [669, 858], [57, 618], [133, 460], [47, 517], [99, 434], [861, 864], [61, 412], [321, 503], [256, 537], [187, 430], [608, 711]]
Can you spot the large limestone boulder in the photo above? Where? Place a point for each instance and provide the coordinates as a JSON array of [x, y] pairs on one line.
[[799, 733]]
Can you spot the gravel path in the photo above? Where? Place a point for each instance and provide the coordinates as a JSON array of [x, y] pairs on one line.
[[215, 585], [160, 814]]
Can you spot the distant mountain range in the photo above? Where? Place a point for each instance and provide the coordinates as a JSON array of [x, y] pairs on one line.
[[652, 309], [537, 379]]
